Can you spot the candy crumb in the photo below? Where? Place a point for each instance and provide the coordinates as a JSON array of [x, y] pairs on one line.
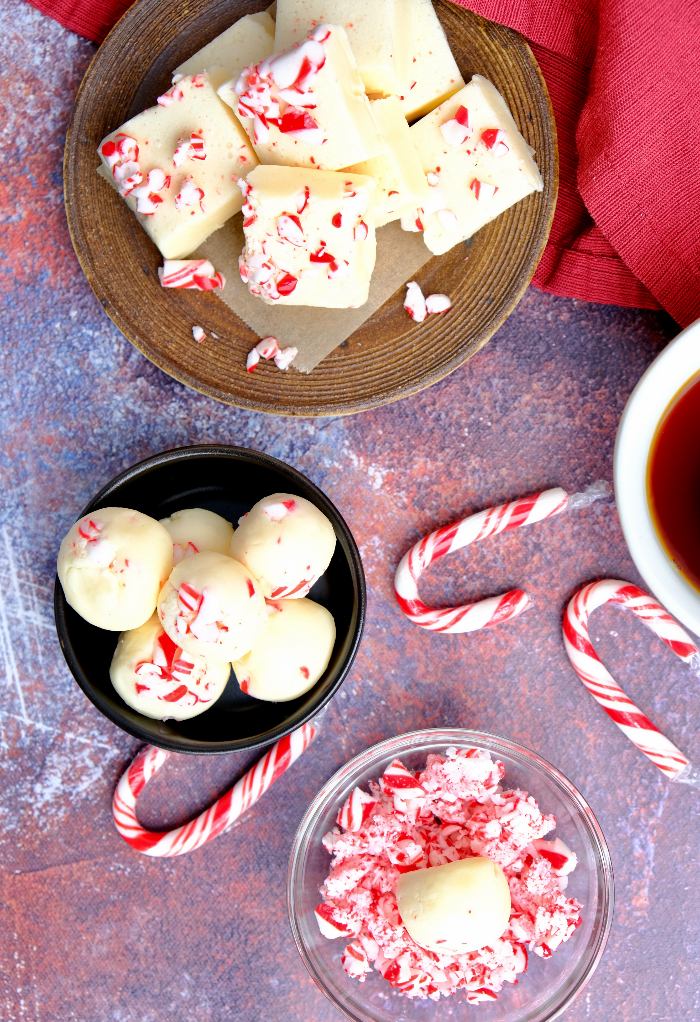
[[198, 334], [438, 303], [285, 357]]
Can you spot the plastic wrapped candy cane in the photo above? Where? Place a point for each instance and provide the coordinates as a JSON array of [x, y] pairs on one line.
[[492, 611], [215, 820], [585, 661]]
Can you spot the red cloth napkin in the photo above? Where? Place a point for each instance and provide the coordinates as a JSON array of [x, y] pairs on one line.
[[622, 76]]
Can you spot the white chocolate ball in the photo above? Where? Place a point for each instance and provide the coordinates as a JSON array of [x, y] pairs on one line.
[[196, 530], [112, 565], [157, 678], [291, 654], [212, 606], [286, 542], [456, 908]]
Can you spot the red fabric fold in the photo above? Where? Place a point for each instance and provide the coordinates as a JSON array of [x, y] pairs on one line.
[[622, 76]]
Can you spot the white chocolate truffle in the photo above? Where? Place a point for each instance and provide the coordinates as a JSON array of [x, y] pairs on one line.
[[456, 908], [291, 654], [155, 677], [112, 565], [195, 531], [212, 606], [286, 542]]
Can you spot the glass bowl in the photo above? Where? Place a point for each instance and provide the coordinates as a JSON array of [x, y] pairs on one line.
[[549, 985]]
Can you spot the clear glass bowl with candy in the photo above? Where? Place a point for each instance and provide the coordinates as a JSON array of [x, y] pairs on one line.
[[432, 799]]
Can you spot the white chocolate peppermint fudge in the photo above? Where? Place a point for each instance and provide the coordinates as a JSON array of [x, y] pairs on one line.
[[306, 106], [401, 183], [379, 33], [177, 165], [477, 162], [309, 237], [246, 42], [433, 74]]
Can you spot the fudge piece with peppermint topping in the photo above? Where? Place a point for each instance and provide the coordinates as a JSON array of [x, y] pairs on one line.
[[309, 236], [177, 165]]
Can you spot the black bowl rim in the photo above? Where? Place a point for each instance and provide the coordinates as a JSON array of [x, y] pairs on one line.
[[188, 745]]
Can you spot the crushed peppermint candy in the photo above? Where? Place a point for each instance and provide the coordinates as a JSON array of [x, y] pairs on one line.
[[417, 306], [193, 147], [284, 357], [269, 348], [482, 190], [279, 91], [438, 303], [198, 334], [414, 303], [189, 194], [191, 274], [453, 809], [495, 140], [457, 130]]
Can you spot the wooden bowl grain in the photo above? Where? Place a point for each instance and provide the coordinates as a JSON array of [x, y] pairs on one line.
[[389, 357]]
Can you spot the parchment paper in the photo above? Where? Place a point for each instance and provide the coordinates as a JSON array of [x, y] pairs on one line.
[[315, 332]]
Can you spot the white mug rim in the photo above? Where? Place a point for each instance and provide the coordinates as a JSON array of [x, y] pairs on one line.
[[677, 364]]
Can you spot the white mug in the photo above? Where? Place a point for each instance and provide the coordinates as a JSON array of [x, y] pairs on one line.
[[675, 366]]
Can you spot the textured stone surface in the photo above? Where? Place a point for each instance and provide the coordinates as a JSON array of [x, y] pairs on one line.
[[93, 931]]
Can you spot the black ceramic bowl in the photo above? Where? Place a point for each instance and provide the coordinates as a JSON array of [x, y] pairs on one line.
[[228, 481]]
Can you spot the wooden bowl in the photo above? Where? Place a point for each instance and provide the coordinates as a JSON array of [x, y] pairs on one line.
[[389, 357]]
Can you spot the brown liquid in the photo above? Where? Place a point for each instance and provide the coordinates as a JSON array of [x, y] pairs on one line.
[[673, 481]]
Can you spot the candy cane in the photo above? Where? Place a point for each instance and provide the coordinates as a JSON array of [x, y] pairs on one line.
[[585, 661], [215, 820], [489, 612]]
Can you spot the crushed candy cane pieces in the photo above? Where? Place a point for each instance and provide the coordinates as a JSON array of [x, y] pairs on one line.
[[438, 303], [284, 358], [191, 274], [267, 347], [417, 306], [414, 303], [198, 334]]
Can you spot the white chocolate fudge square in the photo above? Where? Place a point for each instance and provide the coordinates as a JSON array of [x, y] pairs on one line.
[[306, 106], [477, 162], [246, 42], [401, 183], [309, 237], [433, 74], [177, 165], [379, 33]]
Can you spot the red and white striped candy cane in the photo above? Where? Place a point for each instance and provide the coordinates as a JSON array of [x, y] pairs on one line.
[[585, 661], [485, 613], [215, 820]]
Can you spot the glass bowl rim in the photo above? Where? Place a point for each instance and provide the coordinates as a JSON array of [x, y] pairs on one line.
[[447, 737]]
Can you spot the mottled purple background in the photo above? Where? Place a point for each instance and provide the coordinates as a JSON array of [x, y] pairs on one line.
[[92, 931]]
